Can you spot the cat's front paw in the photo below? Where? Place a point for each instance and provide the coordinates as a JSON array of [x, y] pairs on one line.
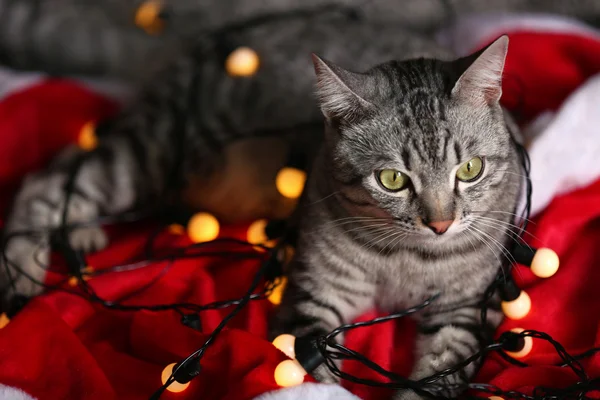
[[23, 268], [324, 375], [88, 239]]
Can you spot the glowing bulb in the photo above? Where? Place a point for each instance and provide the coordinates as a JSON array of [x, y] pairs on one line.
[[518, 308], [176, 229], [243, 61], [257, 235], [285, 343], [289, 373], [545, 263], [527, 342], [277, 292], [203, 227], [148, 18], [495, 398], [87, 139], [290, 182], [174, 387], [4, 320]]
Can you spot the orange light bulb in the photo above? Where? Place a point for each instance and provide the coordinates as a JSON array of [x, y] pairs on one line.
[[256, 233], [527, 345], [545, 263], [277, 292], [495, 398], [4, 320], [174, 387], [87, 139], [517, 308], [289, 373], [203, 227], [286, 343], [290, 182], [148, 17], [243, 61]]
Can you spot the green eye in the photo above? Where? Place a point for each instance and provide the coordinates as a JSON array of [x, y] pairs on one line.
[[393, 180], [470, 170]]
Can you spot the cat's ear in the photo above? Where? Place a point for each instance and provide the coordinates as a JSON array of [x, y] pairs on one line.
[[341, 93], [481, 83]]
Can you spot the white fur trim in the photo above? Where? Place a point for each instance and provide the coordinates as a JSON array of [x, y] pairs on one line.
[[309, 390], [11, 393], [565, 156]]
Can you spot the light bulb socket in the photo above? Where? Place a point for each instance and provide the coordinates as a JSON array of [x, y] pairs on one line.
[[307, 353], [275, 229], [191, 321], [189, 371], [523, 254], [512, 341], [509, 291]]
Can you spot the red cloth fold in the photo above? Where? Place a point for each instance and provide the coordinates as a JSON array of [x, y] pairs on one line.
[[63, 346]]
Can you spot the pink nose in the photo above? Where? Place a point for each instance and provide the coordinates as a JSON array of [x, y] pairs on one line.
[[440, 227]]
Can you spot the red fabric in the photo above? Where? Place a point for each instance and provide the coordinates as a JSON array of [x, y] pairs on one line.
[[62, 346]]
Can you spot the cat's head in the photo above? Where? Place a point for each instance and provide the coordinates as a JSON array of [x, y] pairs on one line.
[[423, 142]]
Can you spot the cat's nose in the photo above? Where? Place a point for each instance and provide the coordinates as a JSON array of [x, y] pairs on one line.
[[439, 227]]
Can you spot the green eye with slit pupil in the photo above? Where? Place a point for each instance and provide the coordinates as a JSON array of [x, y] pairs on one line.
[[392, 180], [470, 170]]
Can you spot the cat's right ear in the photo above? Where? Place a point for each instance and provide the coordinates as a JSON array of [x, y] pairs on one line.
[[341, 93]]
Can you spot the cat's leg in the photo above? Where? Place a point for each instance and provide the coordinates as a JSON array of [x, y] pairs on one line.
[[320, 298], [109, 180], [446, 339]]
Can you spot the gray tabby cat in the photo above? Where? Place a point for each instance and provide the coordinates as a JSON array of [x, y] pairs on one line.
[[412, 195]]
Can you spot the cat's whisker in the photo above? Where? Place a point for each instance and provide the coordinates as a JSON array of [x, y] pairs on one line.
[[506, 212], [502, 248], [512, 225], [485, 242], [395, 240], [381, 238], [509, 233]]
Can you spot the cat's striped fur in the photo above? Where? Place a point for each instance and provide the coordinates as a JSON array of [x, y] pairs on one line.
[[361, 247]]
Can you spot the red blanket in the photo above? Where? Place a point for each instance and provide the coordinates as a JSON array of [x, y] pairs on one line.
[[63, 346]]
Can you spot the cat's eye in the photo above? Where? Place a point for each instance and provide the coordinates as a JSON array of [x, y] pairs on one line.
[[393, 180], [470, 170]]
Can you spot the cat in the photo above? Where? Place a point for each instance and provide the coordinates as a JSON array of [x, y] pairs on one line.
[[416, 187], [175, 142]]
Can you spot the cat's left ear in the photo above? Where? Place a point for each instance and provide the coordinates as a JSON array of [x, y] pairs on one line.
[[342, 94], [481, 83]]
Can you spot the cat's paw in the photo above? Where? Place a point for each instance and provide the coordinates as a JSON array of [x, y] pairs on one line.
[[407, 395], [88, 239], [324, 375], [24, 270]]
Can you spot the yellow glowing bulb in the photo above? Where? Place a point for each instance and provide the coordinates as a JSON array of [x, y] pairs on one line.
[[174, 387], [285, 343], [87, 139], [527, 345], [243, 61], [203, 227], [517, 308], [4, 320], [495, 398], [277, 292], [176, 229], [545, 263], [148, 18], [289, 373], [256, 233], [290, 182]]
